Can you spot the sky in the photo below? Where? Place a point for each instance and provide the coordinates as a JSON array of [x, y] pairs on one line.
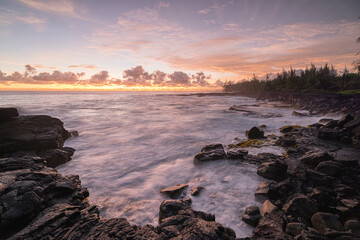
[[162, 44]]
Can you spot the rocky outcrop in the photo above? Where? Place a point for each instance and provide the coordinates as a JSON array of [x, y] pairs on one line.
[[255, 133], [32, 133], [38, 203], [174, 191], [211, 152]]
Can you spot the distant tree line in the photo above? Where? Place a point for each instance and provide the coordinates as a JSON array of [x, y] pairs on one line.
[[323, 79]]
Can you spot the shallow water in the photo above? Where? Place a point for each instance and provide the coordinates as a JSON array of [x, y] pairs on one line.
[[132, 144]]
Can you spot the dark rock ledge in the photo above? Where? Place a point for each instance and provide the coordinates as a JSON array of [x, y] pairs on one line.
[[38, 203], [310, 193]]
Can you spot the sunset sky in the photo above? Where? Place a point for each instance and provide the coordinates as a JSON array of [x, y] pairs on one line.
[[93, 44]]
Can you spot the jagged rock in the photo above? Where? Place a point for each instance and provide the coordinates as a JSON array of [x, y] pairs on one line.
[[323, 221], [266, 189], [328, 133], [286, 142], [236, 154], [352, 226], [251, 215], [57, 156], [330, 168], [331, 124], [191, 224], [314, 157], [255, 133], [32, 133], [299, 114], [301, 206], [268, 207], [316, 125], [350, 203], [271, 226], [174, 191], [211, 152], [274, 170], [196, 190], [74, 133], [356, 132], [294, 228], [352, 124], [287, 129], [344, 120], [325, 120], [7, 114]]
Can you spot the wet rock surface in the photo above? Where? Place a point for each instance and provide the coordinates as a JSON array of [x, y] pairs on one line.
[[38, 203], [318, 195]]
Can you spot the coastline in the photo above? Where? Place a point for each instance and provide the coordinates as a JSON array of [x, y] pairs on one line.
[[316, 103], [174, 214]]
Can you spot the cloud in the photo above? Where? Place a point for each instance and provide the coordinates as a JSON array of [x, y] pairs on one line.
[[204, 11], [100, 78], [163, 4], [10, 17], [42, 66], [87, 66], [200, 79], [136, 76], [56, 77], [159, 77], [219, 83], [61, 7], [30, 69], [236, 49], [179, 78]]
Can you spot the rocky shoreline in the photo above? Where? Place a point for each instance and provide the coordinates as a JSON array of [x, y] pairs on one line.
[[315, 103], [38, 203], [311, 193]]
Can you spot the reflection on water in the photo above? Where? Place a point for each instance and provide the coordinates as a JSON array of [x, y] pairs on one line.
[[132, 144]]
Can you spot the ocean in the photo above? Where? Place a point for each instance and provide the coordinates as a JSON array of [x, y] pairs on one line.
[[132, 144]]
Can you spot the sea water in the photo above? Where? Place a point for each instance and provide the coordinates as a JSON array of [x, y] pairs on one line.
[[133, 144]]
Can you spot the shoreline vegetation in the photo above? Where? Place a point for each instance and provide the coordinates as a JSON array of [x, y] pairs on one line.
[[311, 80], [311, 192]]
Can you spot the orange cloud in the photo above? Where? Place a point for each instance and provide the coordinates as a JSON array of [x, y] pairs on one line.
[[87, 66]]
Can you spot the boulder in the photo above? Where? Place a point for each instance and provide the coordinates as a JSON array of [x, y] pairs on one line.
[[344, 120], [286, 142], [268, 207], [356, 132], [211, 152], [352, 124], [314, 157], [190, 224], [266, 189], [57, 156], [255, 133], [174, 191], [251, 215], [271, 226], [32, 133], [328, 133], [330, 168], [352, 226], [299, 114], [316, 125], [196, 190], [274, 170], [323, 222], [286, 129], [331, 124], [294, 228], [7, 114], [236, 153], [301, 206]]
